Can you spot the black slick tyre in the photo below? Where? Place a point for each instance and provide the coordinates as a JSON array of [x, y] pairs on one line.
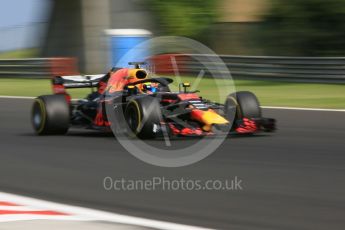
[[50, 115], [143, 117], [246, 104]]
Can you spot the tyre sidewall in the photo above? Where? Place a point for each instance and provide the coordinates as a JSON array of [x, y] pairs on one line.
[[55, 115], [149, 116]]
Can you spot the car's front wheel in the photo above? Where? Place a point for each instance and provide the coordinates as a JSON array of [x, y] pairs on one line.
[[143, 117], [244, 104]]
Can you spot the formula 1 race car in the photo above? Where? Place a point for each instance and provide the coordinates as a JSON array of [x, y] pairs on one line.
[[144, 106]]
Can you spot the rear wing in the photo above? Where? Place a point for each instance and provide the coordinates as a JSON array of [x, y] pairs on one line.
[[61, 83], [78, 81]]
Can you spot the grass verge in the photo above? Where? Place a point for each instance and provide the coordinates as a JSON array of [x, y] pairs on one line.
[[22, 53], [270, 93]]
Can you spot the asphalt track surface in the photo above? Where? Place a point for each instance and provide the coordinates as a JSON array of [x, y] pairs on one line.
[[292, 179]]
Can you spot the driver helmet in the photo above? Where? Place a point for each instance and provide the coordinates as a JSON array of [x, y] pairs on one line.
[[150, 87]]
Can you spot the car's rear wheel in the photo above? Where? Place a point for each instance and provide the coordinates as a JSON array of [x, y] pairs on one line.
[[143, 117], [50, 115]]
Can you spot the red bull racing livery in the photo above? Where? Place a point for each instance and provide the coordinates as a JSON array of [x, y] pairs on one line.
[[145, 106]]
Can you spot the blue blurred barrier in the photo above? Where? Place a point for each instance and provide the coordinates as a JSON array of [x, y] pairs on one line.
[[127, 42]]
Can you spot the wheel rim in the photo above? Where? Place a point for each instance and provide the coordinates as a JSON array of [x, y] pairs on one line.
[[37, 116], [37, 119], [132, 118]]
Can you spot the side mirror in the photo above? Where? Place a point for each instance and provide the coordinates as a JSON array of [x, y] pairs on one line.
[[185, 85]]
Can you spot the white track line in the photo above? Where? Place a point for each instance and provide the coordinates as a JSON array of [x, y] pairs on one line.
[[87, 214], [264, 107], [16, 97], [305, 109], [18, 208], [24, 217]]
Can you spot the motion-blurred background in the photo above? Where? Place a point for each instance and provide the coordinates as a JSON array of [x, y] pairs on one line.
[[238, 27], [290, 53], [241, 31]]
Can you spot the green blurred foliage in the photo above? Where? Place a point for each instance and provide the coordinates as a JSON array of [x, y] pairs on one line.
[[22, 53], [305, 27], [189, 18]]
